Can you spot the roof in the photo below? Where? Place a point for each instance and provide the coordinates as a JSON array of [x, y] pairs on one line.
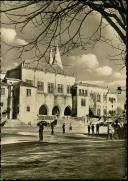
[[90, 85], [24, 84], [42, 66], [14, 72]]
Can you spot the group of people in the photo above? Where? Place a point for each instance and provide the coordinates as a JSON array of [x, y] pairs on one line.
[[41, 128], [113, 131], [91, 128]]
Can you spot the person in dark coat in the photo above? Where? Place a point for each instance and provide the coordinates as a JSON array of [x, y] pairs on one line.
[[70, 127], [41, 128], [89, 129], [63, 127], [116, 130], [92, 127], [52, 129], [97, 129], [3, 118]]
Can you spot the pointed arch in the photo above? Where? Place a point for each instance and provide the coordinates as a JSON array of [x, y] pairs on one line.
[[56, 110], [43, 110], [68, 111]]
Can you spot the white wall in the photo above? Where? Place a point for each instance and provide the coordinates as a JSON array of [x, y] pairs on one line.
[[81, 111], [62, 100], [111, 106], [4, 99], [27, 101]]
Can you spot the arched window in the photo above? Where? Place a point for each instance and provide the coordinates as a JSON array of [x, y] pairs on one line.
[[43, 110], [55, 110], [67, 111]]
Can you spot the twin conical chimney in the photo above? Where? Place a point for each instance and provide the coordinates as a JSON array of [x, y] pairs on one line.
[[57, 58], [50, 57]]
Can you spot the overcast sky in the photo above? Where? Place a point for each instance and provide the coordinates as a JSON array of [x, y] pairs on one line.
[[92, 65]]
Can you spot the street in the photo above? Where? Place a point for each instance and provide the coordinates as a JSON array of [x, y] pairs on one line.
[[62, 156]]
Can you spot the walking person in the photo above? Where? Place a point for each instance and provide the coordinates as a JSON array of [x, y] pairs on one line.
[[52, 129], [41, 129], [88, 129], [63, 127], [116, 130], [97, 129], [3, 118], [70, 127], [92, 127], [53, 124], [110, 131]]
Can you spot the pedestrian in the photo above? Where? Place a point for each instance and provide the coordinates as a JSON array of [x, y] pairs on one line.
[[125, 130], [88, 129], [41, 128], [107, 131], [63, 127], [52, 129], [110, 131], [116, 130], [70, 127], [92, 128], [97, 129], [3, 118]]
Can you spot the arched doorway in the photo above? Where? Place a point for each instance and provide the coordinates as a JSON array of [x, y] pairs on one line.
[[43, 110], [55, 110], [67, 111]]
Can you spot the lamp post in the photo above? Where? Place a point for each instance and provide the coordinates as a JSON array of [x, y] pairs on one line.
[[9, 101], [119, 91]]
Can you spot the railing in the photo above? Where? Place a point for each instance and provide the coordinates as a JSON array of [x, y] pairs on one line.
[[75, 118], [46, 117]]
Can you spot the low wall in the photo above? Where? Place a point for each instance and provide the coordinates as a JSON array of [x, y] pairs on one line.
[[78, 126]]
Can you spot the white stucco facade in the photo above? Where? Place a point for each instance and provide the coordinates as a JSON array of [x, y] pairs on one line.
[[96, 98], [46, 89], [4, 96], [29, 106]]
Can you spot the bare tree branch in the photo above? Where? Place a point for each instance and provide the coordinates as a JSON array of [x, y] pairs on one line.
[[56, 19]]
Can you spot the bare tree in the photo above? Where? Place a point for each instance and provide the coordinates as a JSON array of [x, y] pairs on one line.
[[63, 21]]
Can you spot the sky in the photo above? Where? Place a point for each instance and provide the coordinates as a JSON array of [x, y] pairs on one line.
[[92, 65]]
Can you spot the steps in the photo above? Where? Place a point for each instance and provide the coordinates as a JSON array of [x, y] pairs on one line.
[[14, 123], [78, 126]]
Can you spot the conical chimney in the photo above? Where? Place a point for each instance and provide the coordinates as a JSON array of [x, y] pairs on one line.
[[50, 57], [57, 58]]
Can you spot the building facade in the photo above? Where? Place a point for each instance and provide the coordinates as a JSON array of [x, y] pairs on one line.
[[92, 99], [4, 96], [37, 88]]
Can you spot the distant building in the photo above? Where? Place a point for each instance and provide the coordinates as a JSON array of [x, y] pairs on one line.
[[92, 99], [4, 97], [37, 88]]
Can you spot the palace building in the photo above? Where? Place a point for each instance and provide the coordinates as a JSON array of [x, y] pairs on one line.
[[37, 88]]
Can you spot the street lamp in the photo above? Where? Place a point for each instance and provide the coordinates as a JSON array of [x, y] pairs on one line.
[[119, 90], [9, 101]]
